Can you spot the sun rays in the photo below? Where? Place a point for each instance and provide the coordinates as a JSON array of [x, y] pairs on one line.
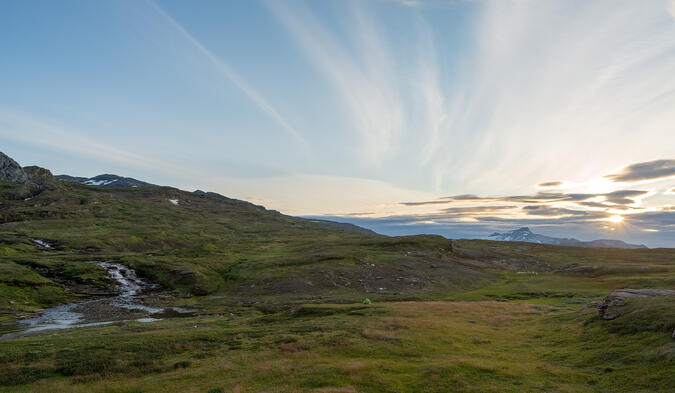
[[615, 219]]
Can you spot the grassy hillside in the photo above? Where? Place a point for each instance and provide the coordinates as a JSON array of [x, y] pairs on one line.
[[279, 310], [208, 245], [388, 347]]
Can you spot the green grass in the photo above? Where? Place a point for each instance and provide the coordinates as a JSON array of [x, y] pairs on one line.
[[404, 346], [214, 246], [279, 301]]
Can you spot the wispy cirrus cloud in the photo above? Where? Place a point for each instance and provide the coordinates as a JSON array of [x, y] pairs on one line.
[[425, 3], [650, 170], [476, 110], [429, 92], [35, 131], [511, 101], [228, 72], [410, 3], [365, 80]]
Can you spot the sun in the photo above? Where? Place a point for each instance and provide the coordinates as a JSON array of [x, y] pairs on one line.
[[615, 219]]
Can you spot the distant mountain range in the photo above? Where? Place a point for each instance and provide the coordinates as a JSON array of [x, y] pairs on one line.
[[105, 180], [525, 235], [342, 226]]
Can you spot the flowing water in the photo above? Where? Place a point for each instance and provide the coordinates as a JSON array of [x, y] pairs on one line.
[[124, 306]]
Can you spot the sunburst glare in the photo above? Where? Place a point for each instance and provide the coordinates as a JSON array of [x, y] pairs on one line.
[[615, 219]]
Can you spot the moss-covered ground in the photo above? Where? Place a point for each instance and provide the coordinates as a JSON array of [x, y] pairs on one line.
[[279, 304], [438, 346]]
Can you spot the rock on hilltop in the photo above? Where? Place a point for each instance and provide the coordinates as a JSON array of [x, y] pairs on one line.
[[10, 170], [30, 180]]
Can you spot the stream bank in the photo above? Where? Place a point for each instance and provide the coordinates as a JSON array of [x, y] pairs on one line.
[[124, 306]]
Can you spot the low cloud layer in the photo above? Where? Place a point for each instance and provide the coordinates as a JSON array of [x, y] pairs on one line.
[[621, 197], [615, 213], [657, 169], [644, 231], [549, 184]]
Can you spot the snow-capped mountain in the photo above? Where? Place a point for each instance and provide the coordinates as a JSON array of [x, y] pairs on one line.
[[525, 235], [105, 180]]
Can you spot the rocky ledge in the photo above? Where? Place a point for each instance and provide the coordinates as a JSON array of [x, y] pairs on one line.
[[612, 306], [11, 171], [30, 180]]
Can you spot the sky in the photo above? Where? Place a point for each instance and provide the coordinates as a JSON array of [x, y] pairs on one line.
[[454, 117]]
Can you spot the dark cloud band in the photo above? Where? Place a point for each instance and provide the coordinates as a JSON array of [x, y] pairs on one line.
[[621, 197], [650, 170], [550, 184]]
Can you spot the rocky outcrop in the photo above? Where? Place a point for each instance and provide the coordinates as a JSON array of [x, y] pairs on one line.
[[30, 181], [11, 171], [39, 176], [612, 306]]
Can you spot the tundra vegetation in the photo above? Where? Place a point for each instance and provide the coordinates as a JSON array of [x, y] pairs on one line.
[[279, 303]]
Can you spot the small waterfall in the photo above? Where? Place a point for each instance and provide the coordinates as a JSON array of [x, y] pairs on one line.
[[73, 315]]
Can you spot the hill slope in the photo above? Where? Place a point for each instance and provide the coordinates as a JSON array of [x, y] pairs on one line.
[[276, 302], [203, 243], [105, 180]]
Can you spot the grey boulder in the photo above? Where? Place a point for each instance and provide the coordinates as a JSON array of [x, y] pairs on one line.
[[10, 170], [611, 306]]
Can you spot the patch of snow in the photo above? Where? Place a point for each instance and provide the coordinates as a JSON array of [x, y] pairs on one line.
[[28, 199], [174, 201], [42, 243], [98, 182]]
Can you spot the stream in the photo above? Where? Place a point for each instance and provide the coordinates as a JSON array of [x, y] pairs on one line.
[[122, 307]]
